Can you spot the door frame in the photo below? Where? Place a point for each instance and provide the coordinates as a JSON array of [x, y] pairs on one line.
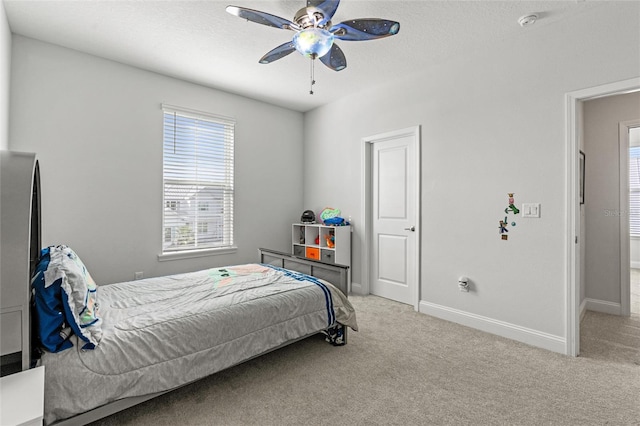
[[625, 252], [366, 206], [572, 148]]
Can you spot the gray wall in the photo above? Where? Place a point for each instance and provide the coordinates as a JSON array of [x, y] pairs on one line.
[[492, 122], [96, 126], [5, 76], [602, 193]]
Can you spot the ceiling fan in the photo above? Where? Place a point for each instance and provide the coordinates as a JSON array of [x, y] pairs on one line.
[[315, 34]]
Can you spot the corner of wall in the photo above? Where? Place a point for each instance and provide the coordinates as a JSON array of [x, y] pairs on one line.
[[5, 77], [583, 309], [356, 288]]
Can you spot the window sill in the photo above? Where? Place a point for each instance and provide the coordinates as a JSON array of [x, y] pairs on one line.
[[188, 254]]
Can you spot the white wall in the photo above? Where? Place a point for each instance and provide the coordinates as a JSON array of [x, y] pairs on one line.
[[602, 193], [96, 126], [5, 74], [492, 123]]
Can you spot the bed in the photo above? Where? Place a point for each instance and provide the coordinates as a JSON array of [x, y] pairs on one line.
[[122, 344]]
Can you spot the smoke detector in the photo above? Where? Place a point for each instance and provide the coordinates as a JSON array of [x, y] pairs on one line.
[[527, 20]]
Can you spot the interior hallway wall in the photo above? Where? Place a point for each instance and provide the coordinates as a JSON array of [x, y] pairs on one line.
[[583, 234]]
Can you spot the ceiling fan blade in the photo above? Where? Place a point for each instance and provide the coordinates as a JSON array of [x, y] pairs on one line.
[[262, 18], [335, 59], [278, 53], [328, 8], [365, 29]]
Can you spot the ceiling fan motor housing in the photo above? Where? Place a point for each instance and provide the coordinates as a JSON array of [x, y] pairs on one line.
[[310, 17]]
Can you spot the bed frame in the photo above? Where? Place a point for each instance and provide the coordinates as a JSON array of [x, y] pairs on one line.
[[338, 275], [333, 273]]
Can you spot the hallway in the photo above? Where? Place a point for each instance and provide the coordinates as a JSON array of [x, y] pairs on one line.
[[613, 337]]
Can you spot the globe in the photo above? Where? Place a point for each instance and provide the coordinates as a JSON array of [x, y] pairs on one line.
[[313, 42]]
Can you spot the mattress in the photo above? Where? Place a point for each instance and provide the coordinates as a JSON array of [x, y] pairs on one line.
[[161, 333]]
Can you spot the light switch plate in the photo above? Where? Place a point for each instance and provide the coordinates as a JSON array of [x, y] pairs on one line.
[[531, 210]]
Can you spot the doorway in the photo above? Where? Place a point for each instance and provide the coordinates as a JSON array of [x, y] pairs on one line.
[[574, 238], [391, 215], [612, 188]]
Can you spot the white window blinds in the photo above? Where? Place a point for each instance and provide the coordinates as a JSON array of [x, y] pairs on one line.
[[197, 179], [634, 191]]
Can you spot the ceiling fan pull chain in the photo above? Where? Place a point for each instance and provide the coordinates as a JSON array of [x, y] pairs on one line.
[[313, 81]]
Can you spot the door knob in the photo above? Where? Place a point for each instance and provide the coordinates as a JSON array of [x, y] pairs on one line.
[[412, 229]]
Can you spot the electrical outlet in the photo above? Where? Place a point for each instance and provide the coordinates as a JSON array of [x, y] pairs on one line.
[[138, 275]]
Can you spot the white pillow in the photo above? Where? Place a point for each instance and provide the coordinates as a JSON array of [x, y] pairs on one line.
[[79, 294]]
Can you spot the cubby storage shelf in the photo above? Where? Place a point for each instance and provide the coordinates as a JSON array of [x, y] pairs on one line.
[[326, 243]]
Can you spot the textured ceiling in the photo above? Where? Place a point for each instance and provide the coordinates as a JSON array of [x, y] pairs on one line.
[[198, 41]]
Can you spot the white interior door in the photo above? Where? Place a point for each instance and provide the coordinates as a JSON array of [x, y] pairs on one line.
[[394, 227]]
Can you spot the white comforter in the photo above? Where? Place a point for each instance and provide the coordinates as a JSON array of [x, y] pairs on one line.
[[161, 333]]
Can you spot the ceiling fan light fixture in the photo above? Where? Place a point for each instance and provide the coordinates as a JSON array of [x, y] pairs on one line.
[[313, 42], [315, 34]]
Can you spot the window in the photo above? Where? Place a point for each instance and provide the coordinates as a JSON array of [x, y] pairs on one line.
[[198, 180], [634, 182]]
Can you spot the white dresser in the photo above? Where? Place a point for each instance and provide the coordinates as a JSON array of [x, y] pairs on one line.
[[22, 398]]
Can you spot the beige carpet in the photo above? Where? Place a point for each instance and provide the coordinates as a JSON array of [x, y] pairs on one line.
[[408, 368], [635, 291], [613, 338]]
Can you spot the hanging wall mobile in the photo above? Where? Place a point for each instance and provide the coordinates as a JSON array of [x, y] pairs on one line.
[[504, 224]]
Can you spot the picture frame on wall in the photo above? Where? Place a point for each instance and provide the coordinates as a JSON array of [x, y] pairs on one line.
[[582, 165]]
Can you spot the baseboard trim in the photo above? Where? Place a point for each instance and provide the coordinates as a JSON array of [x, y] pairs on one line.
[[500, 328], [603, 306]]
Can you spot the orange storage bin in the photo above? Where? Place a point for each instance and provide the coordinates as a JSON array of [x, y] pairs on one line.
[[313, 253]]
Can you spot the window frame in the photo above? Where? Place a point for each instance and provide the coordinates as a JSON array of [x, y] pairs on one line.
[[634, 208], [224, 184]]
